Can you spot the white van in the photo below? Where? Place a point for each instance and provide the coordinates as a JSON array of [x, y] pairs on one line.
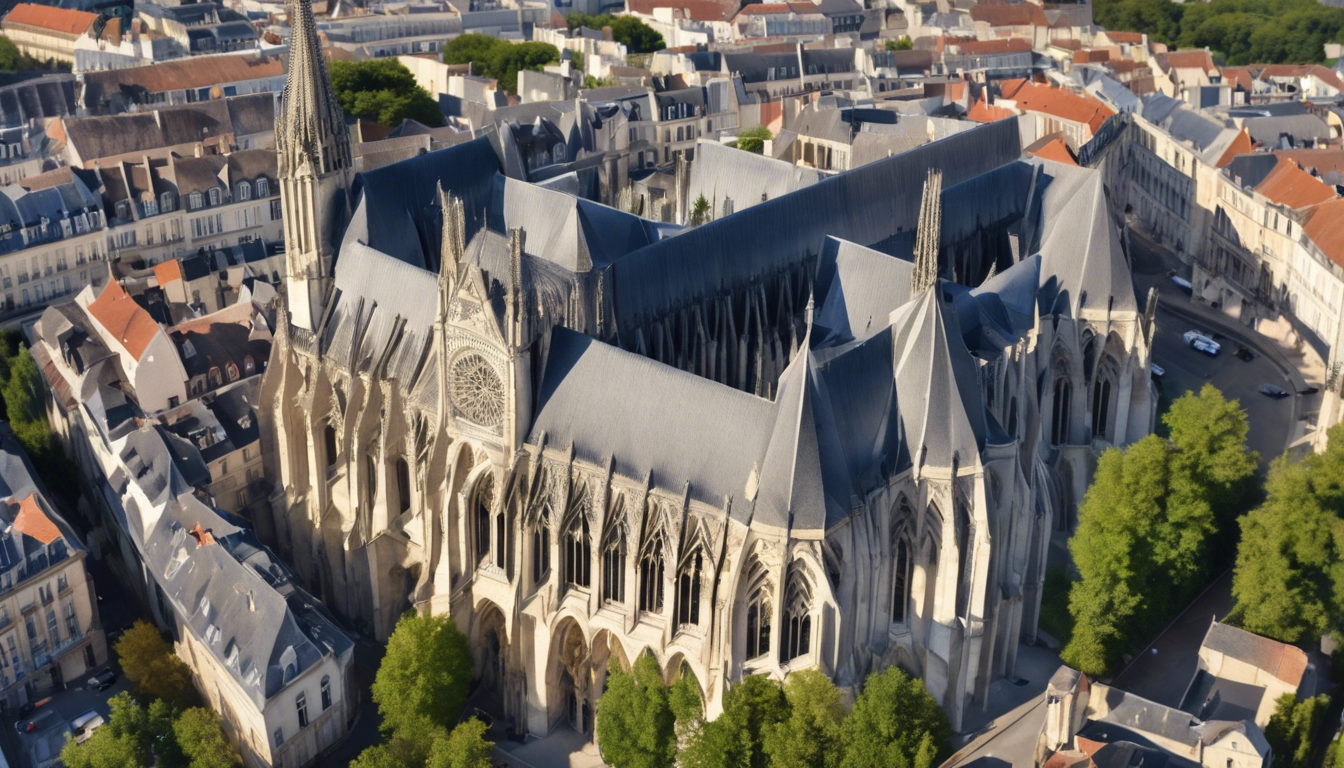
[[85, 725]]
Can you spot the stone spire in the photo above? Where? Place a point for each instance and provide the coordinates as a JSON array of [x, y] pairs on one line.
[[454, 239], [930, 230], [311, 125], [515, 299]]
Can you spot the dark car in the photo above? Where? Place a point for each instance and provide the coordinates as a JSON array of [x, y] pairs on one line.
[[103, 680], [37, 723], [1245, 355], [1269, 390]]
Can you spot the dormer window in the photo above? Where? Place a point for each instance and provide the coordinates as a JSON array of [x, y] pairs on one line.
[[263, 187], [244, 191], [166, 202], [195, 200], [123, 210], [249, 365], [151, 206], [214, 195], [215, 378], [205, 606]]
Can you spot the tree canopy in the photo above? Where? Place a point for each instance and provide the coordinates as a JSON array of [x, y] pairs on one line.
[[1143, 541], [635, 722], [158, 734], [903, 44], [1289, 576], [736, 738], [1292, 729], [810, 737], [149, 662], [424, 674], [1245, 31], [753, 139], [895, 723], [635, 35], [11, 60], [499, 59], [384, 91]]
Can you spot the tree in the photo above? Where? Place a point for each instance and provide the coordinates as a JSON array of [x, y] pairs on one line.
[[499, 59], [201, 739], [753, 139], [736, 738], [134, 735], [635, 723], [23, 389], [1209, 434], [149, 662], [634, 34], [1289, 574], [810, 737], [384, 91], [700, 212], [1267, 31], [424, 675], [465, 747], [404, 749], [1291, 730], [904, 44], [895, 723]]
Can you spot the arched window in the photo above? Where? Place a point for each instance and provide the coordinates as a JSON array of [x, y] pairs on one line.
[[500, 548], [370, 478], [244, 191], [263, 187], [301, 705], [900, 580], [651, 576], [578, 552], [758, 611], [326, 692], [613, 565], [214, 195], [195, 200], [329, 445], [1101, 406], [151, 206], [688, 588], [541, 546], [481, 502], [1059, 433], [796, 630], [403, 484]]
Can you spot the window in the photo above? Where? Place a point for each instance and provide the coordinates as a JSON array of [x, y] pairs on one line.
[[1101, 404], [194, 200], [151, 207], [326, 692], [174, 401], [244, 191], [123, 210], [613, 565], [900, 580], [758, 610], [275, 210], [166, 202], [301, 704], [1060, 424], [329, 445], [796, 629], [688, 588], [53, 630], [215, 378], [483, 499], [403, 484], [577, 554], [371, 478], [214, 195], [279, 736], [541, 546], [263, 187], [651, 575]]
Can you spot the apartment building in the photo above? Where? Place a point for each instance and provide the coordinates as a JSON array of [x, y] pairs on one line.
[[50, 631], [46, 32]]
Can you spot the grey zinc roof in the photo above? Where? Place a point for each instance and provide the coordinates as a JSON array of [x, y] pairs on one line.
[[607, 402], [1302, 129], [862, 390], [1149, 718], [1080, 249], [862, 288], [722, 174]]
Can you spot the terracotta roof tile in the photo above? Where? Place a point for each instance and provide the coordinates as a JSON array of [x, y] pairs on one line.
[[696, 10], [1325, 227], [1054, 149], [194, 72], [168, 271], [1198, 59], [980, 112], [1287, 184], [757, 9], [1032, 97], [1239, 146], [33, 522], [61, 20], [1326, 160], [1125, 37], [125, 320]]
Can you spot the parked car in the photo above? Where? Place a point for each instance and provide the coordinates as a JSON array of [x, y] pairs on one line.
[[1278, 393], [39, 722], [103, 680], [1192, 336], [1183, 284], [1159, 371], [84, 725], [1244, 354], [1209, 348]]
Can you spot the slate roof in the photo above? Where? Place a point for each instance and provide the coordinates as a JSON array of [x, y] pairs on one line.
[[1080, 247], [1301, 128], [723, 173], [108, 135]]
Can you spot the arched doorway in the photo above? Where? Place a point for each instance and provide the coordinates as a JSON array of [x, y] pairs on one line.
[[569, 678]]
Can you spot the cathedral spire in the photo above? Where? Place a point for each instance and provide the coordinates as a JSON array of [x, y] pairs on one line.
[[925, 273], [453, 247], [312, 123]]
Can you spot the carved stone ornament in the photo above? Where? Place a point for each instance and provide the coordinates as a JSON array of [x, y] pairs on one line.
[[478, 392]]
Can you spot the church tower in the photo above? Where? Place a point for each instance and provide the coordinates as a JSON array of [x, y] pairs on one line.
[[312, 146]]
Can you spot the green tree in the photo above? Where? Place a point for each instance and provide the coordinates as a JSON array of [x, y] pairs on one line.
[[134, 735], [1209, 434], [635, 722], [810, 737], [23, 389], [736, 738], [895, 723], [1291, 730], [404, 749], [424, 674], [149, 662], [465, 747], [499, 59], [1289, 577], [201, 739], [753, 139], [903, 44], [1264, 31], [700, 212], [384, 91], [634, 34]]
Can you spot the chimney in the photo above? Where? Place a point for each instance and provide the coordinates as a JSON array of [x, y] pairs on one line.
[[199, 149], [203, 537]]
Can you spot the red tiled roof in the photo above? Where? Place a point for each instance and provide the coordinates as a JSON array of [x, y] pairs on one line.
[[60, 20], [1031, 97], [1287, 184], [1325, 227], [1071, 45], [1239, 146], [1095, 54], [1010, 15], [1198, 59], [762, 9], [168, 271], [125, 320], [194, 72], [696, 10], [1302, 70], [1330, 159], [1055, 149], [32, 521], [1125, 37], [980, 112], [988, 47]]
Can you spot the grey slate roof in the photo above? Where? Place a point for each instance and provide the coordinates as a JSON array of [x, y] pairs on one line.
[[1079, 246], [722, 173], [1301, 128]]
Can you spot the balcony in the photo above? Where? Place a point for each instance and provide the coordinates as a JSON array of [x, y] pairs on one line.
[[66, 644], [28, 607], [46, 597]]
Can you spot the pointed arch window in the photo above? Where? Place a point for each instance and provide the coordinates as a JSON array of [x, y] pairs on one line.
[[651, 576], [541, 546], [1059, 433], [613, 565], [403, 484], [1101, 406], [796, 629], [900, 581], [329, 445], [688, 588], [578, 551], [501, 549], [481, 502], [759, 599]]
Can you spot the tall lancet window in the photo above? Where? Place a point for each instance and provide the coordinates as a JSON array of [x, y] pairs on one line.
[[501, 548], [796, 629], [1101, 405], [759, 599], [651, 576], [900, 580], [688, 588], [613, 565], [541, 546], [578, 554], [329, 445], [482, 500], [1060, 423]]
